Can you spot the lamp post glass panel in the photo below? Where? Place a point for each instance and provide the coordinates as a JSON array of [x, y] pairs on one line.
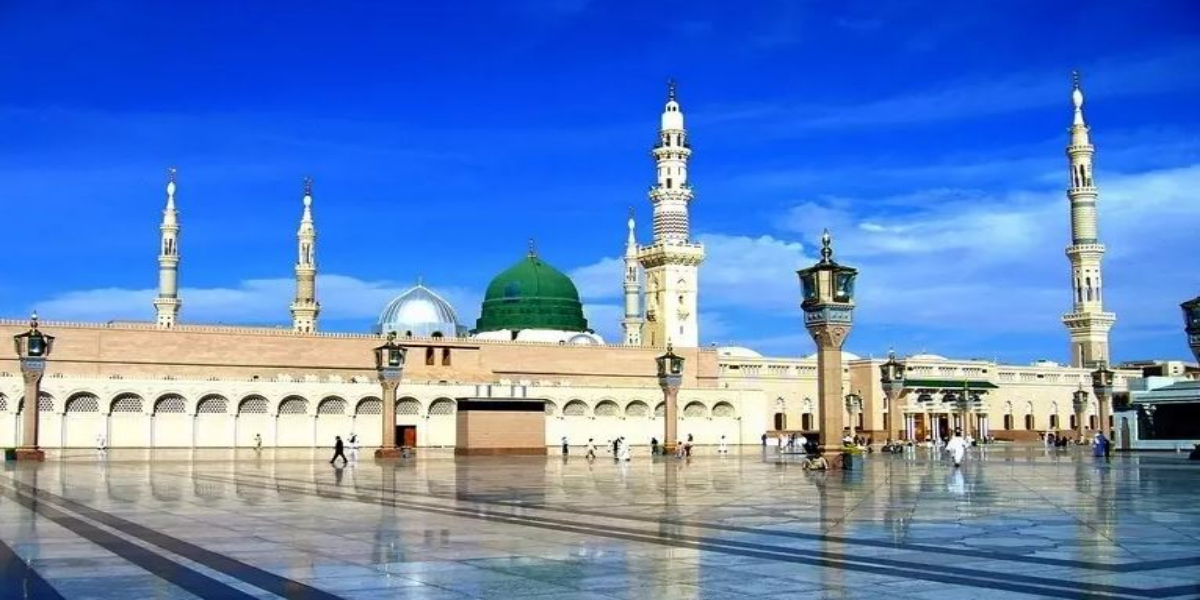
[[1079, 401], [1191, 323], [891, 376], [827, 289], [33, 348], [1102, 386], [670, 377], [389, 364]]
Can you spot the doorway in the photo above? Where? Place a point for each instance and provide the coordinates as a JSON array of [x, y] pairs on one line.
[[780, 421], [406, 436]]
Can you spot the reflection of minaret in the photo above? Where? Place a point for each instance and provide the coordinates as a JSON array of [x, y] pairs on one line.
[[305, 308], [1087, 322], [672, 261], [632, 323], [167, 304]]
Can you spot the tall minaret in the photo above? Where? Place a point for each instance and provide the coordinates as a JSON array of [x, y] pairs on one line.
[[1087, 322], [632, 323], [167, 304], [305, 307], [672, 261]]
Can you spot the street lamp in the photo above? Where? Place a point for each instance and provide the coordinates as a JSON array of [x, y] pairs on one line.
[[853, 406], [389, 365], [891, 376], [1191, 324], [670, 377], [828, 305], [33, 348], [1079, 401], [1102, 386]]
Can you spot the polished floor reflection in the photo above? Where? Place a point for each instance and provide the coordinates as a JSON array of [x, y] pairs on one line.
[[1012, 523]]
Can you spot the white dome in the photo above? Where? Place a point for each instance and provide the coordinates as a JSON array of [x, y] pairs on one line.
[[737, 352], [846, 356], [419, 312], [924, 356]]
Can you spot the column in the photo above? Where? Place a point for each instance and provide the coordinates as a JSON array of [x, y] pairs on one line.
[[829, 390], [896, 428], [388, 447], [32, 370], [671, 415]]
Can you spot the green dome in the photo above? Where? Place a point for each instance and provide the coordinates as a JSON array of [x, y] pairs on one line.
[[531, 295]]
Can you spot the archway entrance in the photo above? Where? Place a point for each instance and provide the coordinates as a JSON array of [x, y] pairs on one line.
[[780, 421]]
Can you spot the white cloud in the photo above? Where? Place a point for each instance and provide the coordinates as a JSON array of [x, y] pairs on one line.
[[253, 301]]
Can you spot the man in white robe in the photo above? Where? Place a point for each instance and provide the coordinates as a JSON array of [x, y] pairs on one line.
[[957, 447]]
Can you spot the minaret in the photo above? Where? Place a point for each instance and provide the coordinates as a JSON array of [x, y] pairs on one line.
[[1087, 322], [672, 261], [167, 304], [305, 307], [632, 323]]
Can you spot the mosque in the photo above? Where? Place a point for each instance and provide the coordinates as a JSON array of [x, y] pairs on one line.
[[175, 384]]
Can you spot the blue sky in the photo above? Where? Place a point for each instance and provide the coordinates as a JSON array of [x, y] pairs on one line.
[[928, 136]]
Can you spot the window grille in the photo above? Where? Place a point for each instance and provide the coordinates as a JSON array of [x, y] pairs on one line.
[[408, 406], [695, 409], [293, 405], [127, 403], [724, 410], [253, 405], [369, 406], [442, 407], [332, 406], [212, 405], [607, 409], [170, 404], [80, 403], [551, 409], [575, 408], [637, 409]]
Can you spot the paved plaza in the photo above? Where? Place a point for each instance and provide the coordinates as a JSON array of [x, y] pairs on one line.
[[1012, 523]]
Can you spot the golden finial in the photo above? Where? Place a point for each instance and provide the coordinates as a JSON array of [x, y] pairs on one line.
[[33, 321], [826, 247], [670, 89], [171, 174], [532, 248], [1075, 78], [307, 186]]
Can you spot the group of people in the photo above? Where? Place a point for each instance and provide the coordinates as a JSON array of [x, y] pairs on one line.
[[339, 450], [621, 448]]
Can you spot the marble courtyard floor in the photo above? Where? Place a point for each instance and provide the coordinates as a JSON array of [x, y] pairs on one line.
[[1012, 523]]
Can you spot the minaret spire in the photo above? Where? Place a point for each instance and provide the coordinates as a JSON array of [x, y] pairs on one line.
[[672, 260], [632, 323], [1087, 322], [305, 307], [167, 304]]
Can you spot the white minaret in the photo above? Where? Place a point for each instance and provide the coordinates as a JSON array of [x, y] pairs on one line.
[[167, 304], [672, 261], [632, 323], [305, 307], [1087, 322]]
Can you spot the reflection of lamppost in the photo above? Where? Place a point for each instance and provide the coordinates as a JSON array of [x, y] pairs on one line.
[[389, 364], [1191, 324], [1149, 410], [1079, 402], [33, 348], [891, 376], [828, 305], [670, 377], [853, 406], [1102, 386]]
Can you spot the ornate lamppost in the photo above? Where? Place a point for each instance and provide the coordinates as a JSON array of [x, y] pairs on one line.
[[1149, 410], [33, 348], [389, 364], [1079, 402], [853, 407], [828, 306], [891, 376], [1191, 324], [1102, 386], [670, 377]]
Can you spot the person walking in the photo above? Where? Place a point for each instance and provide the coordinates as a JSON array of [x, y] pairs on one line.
[[353, 447], [722, 448], [653, 446], [624, 450], [339, 449], [591, 450], [957, 447], [764, 440], [257, 442], [566, 449], [1101, 446]]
